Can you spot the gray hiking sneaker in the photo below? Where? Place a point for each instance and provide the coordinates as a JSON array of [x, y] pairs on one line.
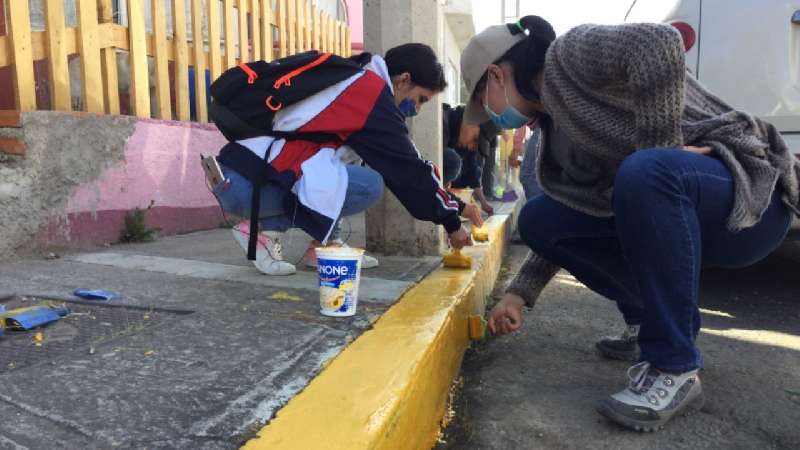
[[624, 347], [653, 398]]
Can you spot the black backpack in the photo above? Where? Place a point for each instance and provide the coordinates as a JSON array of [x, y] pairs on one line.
[[245, 98]]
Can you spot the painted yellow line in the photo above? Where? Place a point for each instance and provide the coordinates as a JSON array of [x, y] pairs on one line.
[[388, 389]]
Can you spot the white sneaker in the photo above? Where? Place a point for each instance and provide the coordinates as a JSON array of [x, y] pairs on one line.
[[367, 262], [653, 397], [269, 257]]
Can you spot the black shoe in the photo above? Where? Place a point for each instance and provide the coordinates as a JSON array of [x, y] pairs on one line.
[[624, 347]]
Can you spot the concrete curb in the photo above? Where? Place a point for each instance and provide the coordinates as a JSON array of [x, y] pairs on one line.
[[388, 389]]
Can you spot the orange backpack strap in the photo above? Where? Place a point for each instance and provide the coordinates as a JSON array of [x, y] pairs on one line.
[[286, 80]]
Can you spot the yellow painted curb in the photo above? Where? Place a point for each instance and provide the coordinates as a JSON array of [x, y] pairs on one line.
[[388, 389]]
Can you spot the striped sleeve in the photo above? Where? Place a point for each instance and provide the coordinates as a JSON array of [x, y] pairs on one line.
[[365, 117], [383, 143]]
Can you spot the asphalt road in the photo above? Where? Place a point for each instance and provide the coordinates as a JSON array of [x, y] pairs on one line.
[[538, 388]]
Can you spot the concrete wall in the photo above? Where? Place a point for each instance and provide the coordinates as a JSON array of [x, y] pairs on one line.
[[451, 59], [388, 23], [80, 174]]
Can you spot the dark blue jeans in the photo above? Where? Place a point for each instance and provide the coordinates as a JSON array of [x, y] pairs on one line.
[[670, 213]]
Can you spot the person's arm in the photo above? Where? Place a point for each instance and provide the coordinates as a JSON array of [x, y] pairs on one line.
[[485, 205], [384, 145], [524, 290], [461, 204]]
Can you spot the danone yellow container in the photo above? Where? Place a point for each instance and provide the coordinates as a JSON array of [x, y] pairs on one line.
[[339, 271]]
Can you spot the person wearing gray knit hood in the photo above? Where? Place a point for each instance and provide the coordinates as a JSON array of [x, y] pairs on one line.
[[647, 179]]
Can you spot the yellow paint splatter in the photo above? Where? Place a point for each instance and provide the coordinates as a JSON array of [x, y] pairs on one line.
[[38, 338], [283, 295]]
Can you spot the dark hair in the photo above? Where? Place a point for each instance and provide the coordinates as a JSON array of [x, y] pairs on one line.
[[527, 56], [452, 124], [420, 62]]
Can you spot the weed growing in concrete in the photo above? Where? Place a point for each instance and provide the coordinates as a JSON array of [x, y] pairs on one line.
[[135, 229]]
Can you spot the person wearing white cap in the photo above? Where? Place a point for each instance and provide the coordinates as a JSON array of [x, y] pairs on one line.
[[647, 178]]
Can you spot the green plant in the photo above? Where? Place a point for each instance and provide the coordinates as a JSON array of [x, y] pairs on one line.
[[135, 228]]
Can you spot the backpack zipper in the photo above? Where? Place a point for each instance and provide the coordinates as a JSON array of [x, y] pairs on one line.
[[286, 80], [251, 74]]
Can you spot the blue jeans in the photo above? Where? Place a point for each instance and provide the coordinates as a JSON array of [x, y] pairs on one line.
[[670, 213], [364, 188]]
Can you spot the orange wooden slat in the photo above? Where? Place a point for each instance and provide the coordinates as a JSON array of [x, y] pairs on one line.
[[337, 38], [308, 23], [199, 62], [266, 30], [244, 45], [181, 60], [140, 81], [283, 24], [323, 44], [348, 42], [300, 26], [214, 51], [291, 25], [315, 21], [89, 46], [57, 57], [108, 59], [162, 62], [230, 35], [255, 29]]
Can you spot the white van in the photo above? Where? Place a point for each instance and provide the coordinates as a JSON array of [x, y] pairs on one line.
[[745, 51]]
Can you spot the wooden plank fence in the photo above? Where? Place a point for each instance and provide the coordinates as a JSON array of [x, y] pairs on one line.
[[232, 31]]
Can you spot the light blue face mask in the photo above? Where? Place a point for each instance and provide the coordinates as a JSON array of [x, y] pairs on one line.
[[510, 118], [408, 107]]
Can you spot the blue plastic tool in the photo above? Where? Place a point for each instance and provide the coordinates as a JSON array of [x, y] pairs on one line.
[[33, 316]]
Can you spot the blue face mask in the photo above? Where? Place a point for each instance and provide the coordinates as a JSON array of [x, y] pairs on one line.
[[408, 107], [509, 119]]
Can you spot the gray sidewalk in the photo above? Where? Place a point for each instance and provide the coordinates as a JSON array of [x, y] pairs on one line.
[[202, 350]]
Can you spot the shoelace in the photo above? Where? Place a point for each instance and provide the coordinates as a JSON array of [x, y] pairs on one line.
[[276, 252], [631, 332], [640, 377]]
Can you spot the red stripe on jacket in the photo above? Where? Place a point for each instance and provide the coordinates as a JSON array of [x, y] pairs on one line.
[[344, 116], [349, 112]]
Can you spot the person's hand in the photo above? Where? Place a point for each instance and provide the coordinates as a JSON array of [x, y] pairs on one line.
[[513, 159], [459, 239], [506, 316], [699, 150], [487, 208], [472, 213]]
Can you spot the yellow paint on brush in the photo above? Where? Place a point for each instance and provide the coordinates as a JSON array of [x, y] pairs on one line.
[[480, 234], [457, 260], [388, 389], [477, 327]]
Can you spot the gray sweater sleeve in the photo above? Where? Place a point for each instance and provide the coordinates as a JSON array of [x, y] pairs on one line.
[[533, 276]]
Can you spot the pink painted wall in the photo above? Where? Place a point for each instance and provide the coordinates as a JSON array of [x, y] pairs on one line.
[[162, 164], [355, 18]]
